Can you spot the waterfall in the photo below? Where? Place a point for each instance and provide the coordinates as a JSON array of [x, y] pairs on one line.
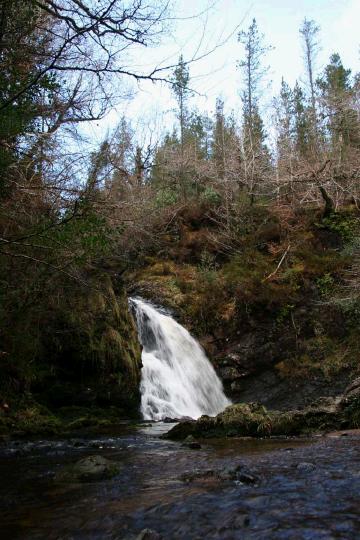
[[177, 379]]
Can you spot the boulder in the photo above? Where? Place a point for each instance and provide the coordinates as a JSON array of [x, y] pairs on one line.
[[352, 390], [89, 469], [190, 442], [148, 534], [238, 474], [253, 419], [306, 467]]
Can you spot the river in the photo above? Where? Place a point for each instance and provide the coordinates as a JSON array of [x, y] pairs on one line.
[[288, 489]]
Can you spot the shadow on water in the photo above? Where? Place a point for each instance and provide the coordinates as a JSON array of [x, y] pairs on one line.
[[300, 488]]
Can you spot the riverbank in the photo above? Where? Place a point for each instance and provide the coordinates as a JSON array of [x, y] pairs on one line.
[[254, 420], [30, 420]]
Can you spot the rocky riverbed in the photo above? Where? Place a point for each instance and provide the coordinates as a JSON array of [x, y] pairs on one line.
[[218, 489]]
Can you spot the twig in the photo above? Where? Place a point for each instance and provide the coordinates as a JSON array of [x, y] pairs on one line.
[[278, 266]]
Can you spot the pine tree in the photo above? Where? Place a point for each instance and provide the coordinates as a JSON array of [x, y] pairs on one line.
[[253, 73], [302, 123], [309, 32], [256, 155], [219, 139], [284, 122], [180, 87], [337, 94]]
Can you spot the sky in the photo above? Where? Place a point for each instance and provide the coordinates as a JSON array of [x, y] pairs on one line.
[[206, 32]]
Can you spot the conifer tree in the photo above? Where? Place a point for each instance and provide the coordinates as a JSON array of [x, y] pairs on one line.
[[181, 90], [284, 123], [309, 32], [256, 155], [302, 125], [337, 95]]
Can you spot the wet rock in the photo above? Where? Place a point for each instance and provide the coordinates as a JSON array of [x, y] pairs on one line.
[[229, 373], [89, 469], [190, 442], [353, 390], [149, 534], [351, 412], [239, 474], [325, 404], [168, 420], [78, 444], [247, 478], [249, 355], [306, 467], [197, 475], [253, 419], [193, 445]]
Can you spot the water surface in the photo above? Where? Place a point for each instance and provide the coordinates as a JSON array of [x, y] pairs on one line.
[[150, 491]]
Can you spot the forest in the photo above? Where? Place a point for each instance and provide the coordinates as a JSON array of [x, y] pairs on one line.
[[243, 225]]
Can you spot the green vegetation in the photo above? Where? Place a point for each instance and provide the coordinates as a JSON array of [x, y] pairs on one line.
[[239, 240], [252, 419], [28, 418]]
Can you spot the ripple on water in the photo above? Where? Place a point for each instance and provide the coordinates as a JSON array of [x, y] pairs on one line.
[[286, 502]]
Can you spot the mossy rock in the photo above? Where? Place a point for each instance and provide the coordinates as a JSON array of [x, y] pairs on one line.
[[32, 420], [89, 469], [351, 412], [254, 420]]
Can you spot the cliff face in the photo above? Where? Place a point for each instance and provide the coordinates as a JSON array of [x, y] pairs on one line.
[[93, 346], [81, 348], [261, 301]]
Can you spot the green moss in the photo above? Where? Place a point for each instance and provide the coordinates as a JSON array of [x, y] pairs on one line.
[[88, 469], [343, 223], [86, 339], [252, 419], [28, 418], [316, 263], [351, 412], [325, 284], [321, 357]]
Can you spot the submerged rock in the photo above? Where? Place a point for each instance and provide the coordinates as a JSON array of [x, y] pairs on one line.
[[192, 445], [89, 469], [190, 442], [149, 534], [239, 474], [306, 467]]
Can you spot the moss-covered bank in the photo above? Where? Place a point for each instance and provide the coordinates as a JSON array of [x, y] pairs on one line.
[[27, 418], [254, 420], [76, 348]]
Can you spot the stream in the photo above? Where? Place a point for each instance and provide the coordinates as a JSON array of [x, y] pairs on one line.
[[218, 489], [289, 489]]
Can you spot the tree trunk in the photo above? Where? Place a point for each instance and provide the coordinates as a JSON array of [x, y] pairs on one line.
[[329, 203]]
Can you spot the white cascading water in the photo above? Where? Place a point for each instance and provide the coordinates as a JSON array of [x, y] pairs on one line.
[[177, 379]]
